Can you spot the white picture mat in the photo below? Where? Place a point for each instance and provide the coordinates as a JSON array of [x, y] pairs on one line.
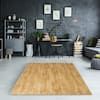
[[68, 11], [56, 15], [47, 8], [39, 24]]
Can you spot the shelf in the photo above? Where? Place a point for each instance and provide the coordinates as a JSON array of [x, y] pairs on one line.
[[15, 33], [14, 28], [15, 20], [16, 39]]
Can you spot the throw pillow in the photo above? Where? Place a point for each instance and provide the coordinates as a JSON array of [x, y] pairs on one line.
[[97, 56]]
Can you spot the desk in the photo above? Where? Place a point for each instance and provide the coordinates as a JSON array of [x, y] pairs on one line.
[[46, 48]]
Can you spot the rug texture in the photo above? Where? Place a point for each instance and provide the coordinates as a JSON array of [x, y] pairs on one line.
[[50, 79]]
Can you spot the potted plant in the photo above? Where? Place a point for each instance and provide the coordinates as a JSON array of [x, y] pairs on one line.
[[38, 35]]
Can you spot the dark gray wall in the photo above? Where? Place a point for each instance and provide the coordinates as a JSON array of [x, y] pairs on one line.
[[85, 17], [0, 19], [99, 18], [0, 7]]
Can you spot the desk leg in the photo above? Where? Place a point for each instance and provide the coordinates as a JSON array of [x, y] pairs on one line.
[[39, 51]]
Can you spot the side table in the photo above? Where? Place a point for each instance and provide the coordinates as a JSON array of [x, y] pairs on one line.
[[78, 46]]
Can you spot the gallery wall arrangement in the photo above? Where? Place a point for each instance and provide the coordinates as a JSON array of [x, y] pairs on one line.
[[79, 23], [54, 13]]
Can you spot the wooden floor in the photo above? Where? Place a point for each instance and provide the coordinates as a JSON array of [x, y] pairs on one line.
[[50, 79]]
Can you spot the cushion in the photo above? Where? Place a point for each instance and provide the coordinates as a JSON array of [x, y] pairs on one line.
[[97, 56], [92, 42]]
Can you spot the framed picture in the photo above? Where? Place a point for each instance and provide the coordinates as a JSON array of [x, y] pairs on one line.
[[68, 11], [56, 15], [47, 8], [39, 24]]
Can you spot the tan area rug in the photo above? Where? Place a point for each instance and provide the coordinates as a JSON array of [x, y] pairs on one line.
[[50, 79]]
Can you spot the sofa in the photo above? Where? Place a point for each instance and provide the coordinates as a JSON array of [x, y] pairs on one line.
[[91, 51]]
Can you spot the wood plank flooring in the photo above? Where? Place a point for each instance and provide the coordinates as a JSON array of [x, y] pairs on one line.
[[50, 79]]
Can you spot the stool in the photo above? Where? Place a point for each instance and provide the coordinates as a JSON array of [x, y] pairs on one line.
[[9, 53], [95, 64]]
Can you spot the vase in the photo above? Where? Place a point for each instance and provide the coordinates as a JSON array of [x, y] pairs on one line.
[[9, 17], [29, 52], [14, 16], [38, 38]]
